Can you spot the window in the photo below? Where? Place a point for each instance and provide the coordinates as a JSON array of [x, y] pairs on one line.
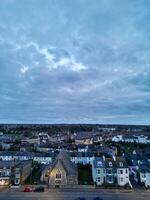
[[110, 179], [121, 171], [98, 179], [121, 179], [121, 164], [98, 171], [143, 175], [58, 174], [58, 182], [109, 171], [99, 163], [110, 164]]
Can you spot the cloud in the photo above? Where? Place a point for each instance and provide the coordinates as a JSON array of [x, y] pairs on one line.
[[24, 69], [74, 61]]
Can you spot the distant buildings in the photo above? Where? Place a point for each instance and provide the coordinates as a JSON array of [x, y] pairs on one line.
[[141, 139], [19, 155]]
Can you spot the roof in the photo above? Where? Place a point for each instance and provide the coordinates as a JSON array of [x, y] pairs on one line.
[[24, 153], [5, 163], [98, 163], [64, 159], [24, 163], [121, 162], [7, 153], [144, 169], [109, 163]]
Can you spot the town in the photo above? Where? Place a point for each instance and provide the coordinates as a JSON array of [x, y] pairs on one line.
[[68, 156]]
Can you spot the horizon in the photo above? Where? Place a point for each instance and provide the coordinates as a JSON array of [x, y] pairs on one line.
[[75, 62], [74, 124]]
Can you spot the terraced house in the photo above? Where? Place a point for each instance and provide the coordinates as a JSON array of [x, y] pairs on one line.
[[110, 171], [98, 171], [14, 172]]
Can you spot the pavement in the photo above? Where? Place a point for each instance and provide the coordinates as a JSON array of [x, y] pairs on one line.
[[72, 194]]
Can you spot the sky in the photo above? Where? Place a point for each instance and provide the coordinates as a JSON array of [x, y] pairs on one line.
[[75, 61]]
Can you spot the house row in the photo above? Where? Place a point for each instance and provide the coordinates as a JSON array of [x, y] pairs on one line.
[[105, 171], [14, 172], [139, 165], [141, 139], [110, 171], [42, 158], [46, 158]]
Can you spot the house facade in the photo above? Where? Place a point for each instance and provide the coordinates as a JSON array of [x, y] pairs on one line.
[[122, 172], [62, 172], [110, 171], [98, 171], [144, 172], [14, 172]]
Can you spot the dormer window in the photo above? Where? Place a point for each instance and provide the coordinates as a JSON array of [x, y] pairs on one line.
[[99, 164], [110, 164], [121, 164]]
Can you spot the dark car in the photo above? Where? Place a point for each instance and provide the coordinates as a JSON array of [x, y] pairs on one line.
[[80, 198], [97, 198], [39, 189]]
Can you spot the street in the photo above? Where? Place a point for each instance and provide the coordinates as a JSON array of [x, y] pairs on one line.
[[73, 194]]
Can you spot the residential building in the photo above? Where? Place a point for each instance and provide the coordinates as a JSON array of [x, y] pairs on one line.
[[98, 171], [62, 172], [122, 172], [144, 172], [21, 172], [110, 170], [6, 168], [14, 172]]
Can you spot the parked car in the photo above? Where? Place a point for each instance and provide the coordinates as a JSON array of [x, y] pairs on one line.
[[39, 189], [80, 198], [27, 189]]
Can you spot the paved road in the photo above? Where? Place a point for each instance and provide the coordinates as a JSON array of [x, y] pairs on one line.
[[71, 195]]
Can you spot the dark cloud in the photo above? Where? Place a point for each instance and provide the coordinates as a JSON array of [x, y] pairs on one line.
[[75, 61]]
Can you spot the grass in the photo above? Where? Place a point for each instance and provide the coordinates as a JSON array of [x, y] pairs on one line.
[[85, 174], [34, 176]]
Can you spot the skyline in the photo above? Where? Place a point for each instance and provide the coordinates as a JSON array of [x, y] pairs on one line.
[[75, 62]]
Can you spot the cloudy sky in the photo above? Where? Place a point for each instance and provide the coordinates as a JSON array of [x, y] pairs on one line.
[[75, 61]]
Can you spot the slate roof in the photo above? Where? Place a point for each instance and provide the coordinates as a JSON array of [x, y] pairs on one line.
[[121, 162], [64, 159], [5, 163], [23, 163], [144, 169], [109, 163], [98, 163], [7, 153]]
